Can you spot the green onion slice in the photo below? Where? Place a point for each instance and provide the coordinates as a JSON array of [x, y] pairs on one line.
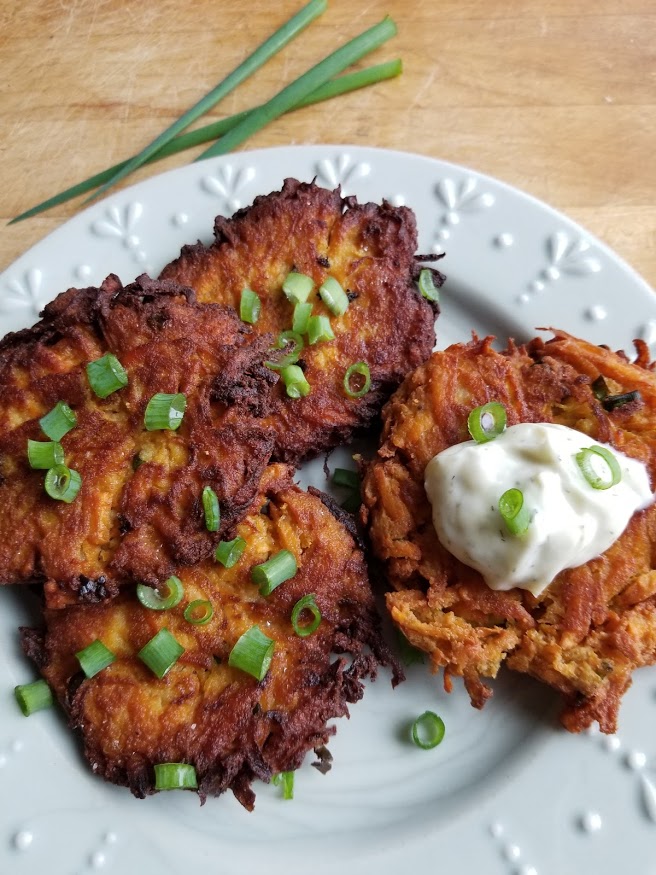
[[94, 658], [228, 553], [165, 411], [161, 653], [58, 422], [166, 595], [408, 653], [352, 502], [487, 421], [297, 287], [33, 697], [253, 653], [614, 401], [62, 483], [357, 380], [307, 603], [175, 776], [302, 313], [319, 329], [333, 296], [249, 306], [427, 286], [274, 571], [600, 388], [106, 375], [199, 612], [211, 509], [44, 454], [284, 340], [346, 477], [599, 476], [428, 730], [286, 781], [295, 383], [514, 512]]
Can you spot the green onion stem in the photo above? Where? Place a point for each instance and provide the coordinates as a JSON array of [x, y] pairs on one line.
[[428, 730], [286, 781], [253, 653], [199, 612], [94, 658], [58, 421], [516, 515], [346, 477], [599, 477], [211, 509], [161, 652], [165, 596], [296, 385], [175, 776], [44, 454], [228, 553], [486, 422], [274, 571], [33, 697], [306, 603]]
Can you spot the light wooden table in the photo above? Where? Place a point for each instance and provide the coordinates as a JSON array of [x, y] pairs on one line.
[[557, 97]]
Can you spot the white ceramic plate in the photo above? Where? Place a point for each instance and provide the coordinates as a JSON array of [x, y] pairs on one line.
[[508, 792]]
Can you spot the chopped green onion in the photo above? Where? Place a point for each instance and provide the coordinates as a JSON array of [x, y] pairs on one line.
[[352, 502], [614, 401], [62, 483], [286, 780], [588, 461], [427, 286], [487, 421], [515, 514], [44, 454], [600, 388], [428, 730], [161, 653], [297, 287], [319, 328], [346, 477], [284, 339], [58, 422], [307, 603], [295, 383], [274, 571], [333, 296], [249, 306], [199, 612], [302, 313], [253, 653], [358, 370], [94, 658], [175, 776], [166, 595], [211, 509], [33, 697], [106, 375], [165, 411], [228, 553], [409, 654]]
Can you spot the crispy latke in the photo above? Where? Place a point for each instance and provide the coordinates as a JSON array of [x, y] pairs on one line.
[[138, 513], [231, 727], [370, 250], [593, 624]]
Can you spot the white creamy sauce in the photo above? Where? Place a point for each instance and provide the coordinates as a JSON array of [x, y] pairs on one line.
[[571, 522]]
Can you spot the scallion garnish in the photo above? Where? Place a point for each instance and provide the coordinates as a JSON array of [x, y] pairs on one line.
[[106, 375], [44, 454], [175, 776], [286, 781], [199, 612], [297, 287], [516, 515], [33, 697], [301, 317], [614, 401], [318, 329], [161, 653], [357, 380], [165, 411], [346, 477], [58, 422], [95, 658], [211, 509], [427, 286], [599, 476], [295, 383], [600, 388], [274, 571], [228, 553], [166, 595], [253, 653], [333, 296], [408, 653], [307, 603], [62, 483], [428, 730], [249, 306], [284, 340], [486, 422]]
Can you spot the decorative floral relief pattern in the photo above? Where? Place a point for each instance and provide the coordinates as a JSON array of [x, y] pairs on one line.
[[24, 294], [227, 184], [120, 223], [458, 198], [342, 171], [510, 851], [566, 255], [635, 761]]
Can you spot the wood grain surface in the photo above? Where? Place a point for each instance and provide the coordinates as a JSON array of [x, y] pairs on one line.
[[557, 97]]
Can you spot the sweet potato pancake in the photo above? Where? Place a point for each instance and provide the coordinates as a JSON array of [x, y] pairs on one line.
[[593, 624], [231, 727], [138, 513], [370, 250]]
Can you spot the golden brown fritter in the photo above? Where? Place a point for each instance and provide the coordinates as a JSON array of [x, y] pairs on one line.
[[138, 513], [370, 250], [593, 624], [231, 727]]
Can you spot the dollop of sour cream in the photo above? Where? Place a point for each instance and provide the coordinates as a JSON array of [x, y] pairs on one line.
[[570, 521]]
